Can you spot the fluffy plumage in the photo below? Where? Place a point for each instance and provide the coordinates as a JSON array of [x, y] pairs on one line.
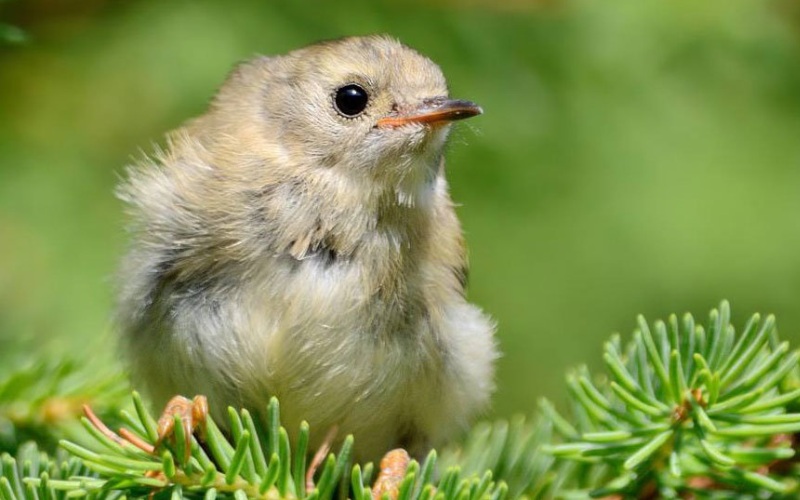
[[282, 248]]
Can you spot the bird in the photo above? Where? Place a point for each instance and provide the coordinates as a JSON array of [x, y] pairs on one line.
[[298, 240]]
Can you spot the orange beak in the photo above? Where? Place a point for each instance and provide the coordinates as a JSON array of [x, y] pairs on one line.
[[433, 113]]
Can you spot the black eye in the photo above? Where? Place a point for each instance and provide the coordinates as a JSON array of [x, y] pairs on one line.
[[351, 100]]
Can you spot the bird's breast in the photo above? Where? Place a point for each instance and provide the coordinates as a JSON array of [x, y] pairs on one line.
[[338, 330]]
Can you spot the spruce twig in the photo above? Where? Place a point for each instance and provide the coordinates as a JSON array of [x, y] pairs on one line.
[[686, 409], [250, 463], [41, 400]]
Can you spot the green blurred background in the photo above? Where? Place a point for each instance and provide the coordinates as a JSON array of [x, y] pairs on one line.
[[634, 157]]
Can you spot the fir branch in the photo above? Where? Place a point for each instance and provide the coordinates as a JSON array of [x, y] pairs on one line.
[[33, 474], [42, 400], [250, 463], [687, 409], [512, 451]]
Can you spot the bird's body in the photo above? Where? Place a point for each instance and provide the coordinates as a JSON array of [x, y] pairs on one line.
[[284, 247]]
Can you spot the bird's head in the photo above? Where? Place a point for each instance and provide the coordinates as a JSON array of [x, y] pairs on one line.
[[367, 106]]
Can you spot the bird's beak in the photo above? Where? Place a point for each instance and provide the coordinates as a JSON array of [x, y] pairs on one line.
[[434, 112]]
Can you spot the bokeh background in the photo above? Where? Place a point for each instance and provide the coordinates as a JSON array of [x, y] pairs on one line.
[[634, 157]]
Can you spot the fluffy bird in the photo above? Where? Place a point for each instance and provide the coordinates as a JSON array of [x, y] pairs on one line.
[[298, 240]]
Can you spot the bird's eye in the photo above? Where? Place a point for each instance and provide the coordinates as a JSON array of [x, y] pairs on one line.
[[351, 100]]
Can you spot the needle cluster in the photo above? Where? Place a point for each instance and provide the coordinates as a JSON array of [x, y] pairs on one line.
[[684, 409]]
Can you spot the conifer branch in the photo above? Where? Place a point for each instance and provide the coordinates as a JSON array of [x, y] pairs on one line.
[[43, 401], [685, 409], [250, 463]]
